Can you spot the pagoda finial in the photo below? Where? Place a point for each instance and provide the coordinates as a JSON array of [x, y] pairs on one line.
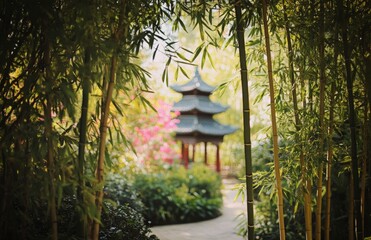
[[197, 76], [197, 71], [196, 83]]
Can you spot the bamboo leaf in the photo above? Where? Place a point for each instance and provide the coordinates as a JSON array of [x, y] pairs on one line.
[[176, 73], [204, 54], [154, 53], [197, 51], [184, 72], [210, 59], [182, 56]]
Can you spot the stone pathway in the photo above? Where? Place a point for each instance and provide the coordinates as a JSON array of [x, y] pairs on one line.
[[220, 228]]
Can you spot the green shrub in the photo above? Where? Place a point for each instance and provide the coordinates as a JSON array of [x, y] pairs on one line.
[[123, 222], [121, 216], [176, 195], [120, 190]]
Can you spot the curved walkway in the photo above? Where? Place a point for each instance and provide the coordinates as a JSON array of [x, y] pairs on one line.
[[220, 228]]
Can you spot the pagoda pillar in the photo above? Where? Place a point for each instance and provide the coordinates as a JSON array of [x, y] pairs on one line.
[[217, 158], [196, 123], [182, 152], [193, 152], [185, 155], [205, 160]]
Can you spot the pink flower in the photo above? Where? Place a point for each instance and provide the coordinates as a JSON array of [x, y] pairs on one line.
[[152, 136]]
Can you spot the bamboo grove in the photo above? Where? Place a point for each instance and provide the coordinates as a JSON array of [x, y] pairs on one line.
[[64, 63], [320, 69]]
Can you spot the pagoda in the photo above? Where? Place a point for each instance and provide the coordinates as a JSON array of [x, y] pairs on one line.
[[196, 123]]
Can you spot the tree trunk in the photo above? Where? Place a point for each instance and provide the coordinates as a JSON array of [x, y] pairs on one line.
[[364, 169], [351, 208], [274, 126], [82, 138], [322, 127], [49, 139], [352, 121], [330, 155], [119, 38], [246, 123], [366, 214], [306, 191], [102, 144]]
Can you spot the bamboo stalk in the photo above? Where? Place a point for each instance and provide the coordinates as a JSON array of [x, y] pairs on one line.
[[102, 145], [246, 123], [352, 120], [306, 191], [274, 127], [364, 170], [49, 138], [322, 126], [118, 36], [82, 138], [330, 154], [351, 208]]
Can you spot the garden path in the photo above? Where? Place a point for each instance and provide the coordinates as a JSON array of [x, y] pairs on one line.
[[220, 228]]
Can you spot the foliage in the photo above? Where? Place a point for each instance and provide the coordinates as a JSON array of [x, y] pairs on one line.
[[123, 213], [50, 50], [123, 222], [119, 190], [175, 195], [54, 55], [152, 137], [121, 219], [266, 218]]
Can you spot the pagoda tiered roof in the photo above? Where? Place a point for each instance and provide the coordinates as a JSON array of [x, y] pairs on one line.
[[196, 121], [193, 124], [196, 83], [198, 103]]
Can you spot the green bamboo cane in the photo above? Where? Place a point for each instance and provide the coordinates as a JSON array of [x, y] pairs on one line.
[[246, 123], [274, 127]]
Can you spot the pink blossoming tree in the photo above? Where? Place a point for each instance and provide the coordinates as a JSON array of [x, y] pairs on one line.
[[152, 138]]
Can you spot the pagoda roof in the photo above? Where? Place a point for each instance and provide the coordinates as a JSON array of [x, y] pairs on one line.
[[196, 83], [204, 125], [200, 103]]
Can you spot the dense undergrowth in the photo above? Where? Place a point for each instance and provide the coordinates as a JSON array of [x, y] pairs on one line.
[[164, 196], [177, 195]]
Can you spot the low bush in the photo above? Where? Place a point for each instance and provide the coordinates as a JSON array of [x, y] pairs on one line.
[[121, 215], [123, 222], [123, 219], [177, 195], [120, 190]]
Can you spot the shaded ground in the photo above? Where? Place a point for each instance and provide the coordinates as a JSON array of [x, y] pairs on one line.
[[220, 228]]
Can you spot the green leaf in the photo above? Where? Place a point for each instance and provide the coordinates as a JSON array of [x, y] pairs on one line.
[[176, 73], [210, 59], [117, 106], [197, 51], [204, 54], [182, 56], [154, 53], [184, 72]]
